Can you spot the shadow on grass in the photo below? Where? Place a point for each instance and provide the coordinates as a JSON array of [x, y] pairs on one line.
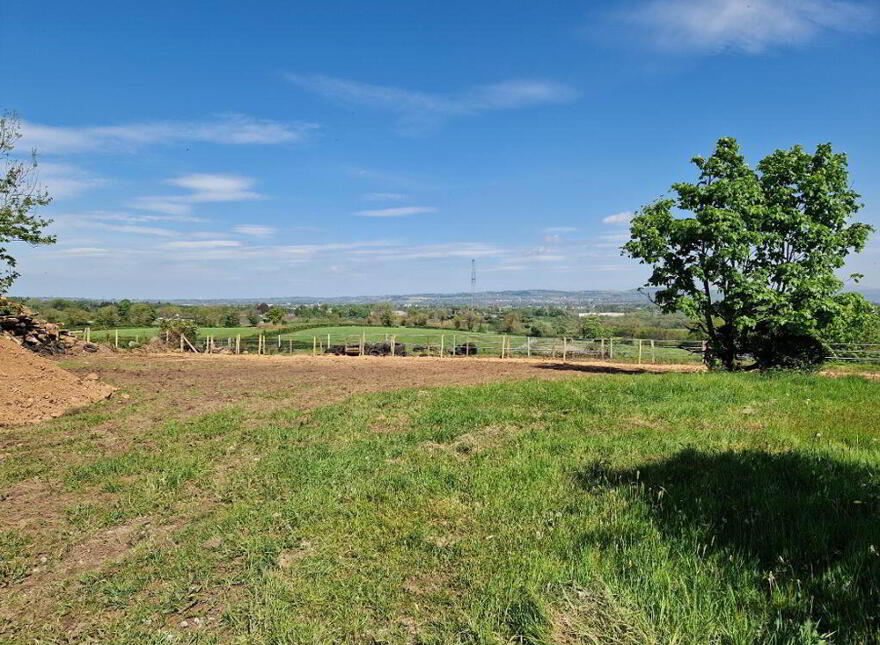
[[593, 369], [808, 527]]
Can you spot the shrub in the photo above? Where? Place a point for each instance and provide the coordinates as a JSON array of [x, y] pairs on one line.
[[171, 330]]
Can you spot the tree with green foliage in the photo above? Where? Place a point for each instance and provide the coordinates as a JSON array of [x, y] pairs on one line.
[[20, 196], [511, 323], [141, 314], [253, 317], [591, 327], [754, 266], [276, 315], [858, 321], [123, 307], [231, 319], [107, 317], [75, 317]]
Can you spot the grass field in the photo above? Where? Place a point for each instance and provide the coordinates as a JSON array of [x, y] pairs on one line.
[[141, 333], [489, 343], [675, 508]]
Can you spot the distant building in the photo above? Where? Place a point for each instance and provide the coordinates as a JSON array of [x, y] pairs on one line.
[[262, 307]]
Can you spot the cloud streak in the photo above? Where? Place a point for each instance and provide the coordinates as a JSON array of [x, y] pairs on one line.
[[401, 211], [229, 129], [254, 230], [204, 188], [63, 180], [618, 218], [417, 110], [749, 26]]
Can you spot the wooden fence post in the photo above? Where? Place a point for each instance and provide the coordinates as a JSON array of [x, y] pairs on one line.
[[652, 350], [328, 341], [291, 345], [116, 338], [602, 351], [181, 342], [314, 345], [238, 344], [528, 346], [640, 351], [393, 343], [564, 348], [611, 349], [442, 339]]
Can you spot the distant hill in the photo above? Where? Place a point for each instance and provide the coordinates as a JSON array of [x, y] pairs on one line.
[[521, 297]]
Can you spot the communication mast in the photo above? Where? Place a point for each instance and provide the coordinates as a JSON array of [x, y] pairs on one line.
[[473, 281]]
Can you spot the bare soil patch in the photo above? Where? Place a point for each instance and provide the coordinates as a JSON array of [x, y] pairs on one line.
[[33, 389], [204, 383]]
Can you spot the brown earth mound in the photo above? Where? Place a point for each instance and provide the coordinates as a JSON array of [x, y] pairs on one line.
[[33, 389]]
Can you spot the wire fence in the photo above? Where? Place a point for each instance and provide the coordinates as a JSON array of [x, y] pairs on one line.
[[463, 344]]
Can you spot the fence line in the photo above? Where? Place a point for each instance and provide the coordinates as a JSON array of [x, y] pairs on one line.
[[463, 344]]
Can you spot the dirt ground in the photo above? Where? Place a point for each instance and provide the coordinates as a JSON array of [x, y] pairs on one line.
[[33, 388], [202, 383]]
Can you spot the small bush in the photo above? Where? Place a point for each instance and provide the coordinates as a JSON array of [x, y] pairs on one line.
[[171, 329]]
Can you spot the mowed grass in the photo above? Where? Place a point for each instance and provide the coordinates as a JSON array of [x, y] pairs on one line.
[[143, 333], [703, 508], [408, 335]]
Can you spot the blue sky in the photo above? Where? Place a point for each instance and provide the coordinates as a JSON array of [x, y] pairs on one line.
[[347, 148]]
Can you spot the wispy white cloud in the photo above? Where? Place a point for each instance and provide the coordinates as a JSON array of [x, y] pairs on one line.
[[106, 222], [383, 197], [126, 217], [203, 188], [618, 218], [749, 26], [418, 110], [216, 188], [234, 129], [435, 251], [397, 212], [254, 230], [85, 251], [139, 230], [202, 244], [63, 180], [160, 205], [560, 229]]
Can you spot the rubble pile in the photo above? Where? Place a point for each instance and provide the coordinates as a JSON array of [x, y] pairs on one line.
[[400, 349], [18, 323], [370, 349]]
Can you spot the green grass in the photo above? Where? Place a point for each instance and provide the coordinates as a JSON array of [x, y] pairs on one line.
[[408, 335], [704, 508], [131, 333]]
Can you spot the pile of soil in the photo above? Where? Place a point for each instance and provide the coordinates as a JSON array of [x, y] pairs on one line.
[[34, 389]]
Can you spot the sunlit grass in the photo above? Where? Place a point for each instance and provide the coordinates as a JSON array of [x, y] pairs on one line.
[[704, 508]]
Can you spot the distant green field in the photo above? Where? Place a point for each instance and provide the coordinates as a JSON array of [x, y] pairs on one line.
[[408, 335], [133, 333], [431, 340]]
